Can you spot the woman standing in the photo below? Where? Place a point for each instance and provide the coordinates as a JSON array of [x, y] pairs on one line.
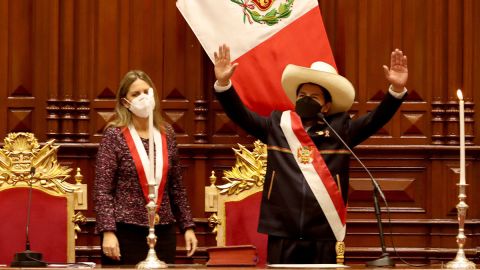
[[121, 186]]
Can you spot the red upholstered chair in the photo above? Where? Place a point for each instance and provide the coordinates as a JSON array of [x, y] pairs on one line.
[[52, 218], [237, 201]]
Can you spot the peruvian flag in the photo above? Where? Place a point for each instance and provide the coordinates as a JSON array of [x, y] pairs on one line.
[[264, 36]]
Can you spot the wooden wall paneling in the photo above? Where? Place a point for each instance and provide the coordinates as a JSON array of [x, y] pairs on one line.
[[157, 52], [329, 9], [467, 49], [472, 190], [20, 88], [45, 70], [66, 69], [195, 84], [380, 23], [221, 129], [197, 174], [474, 19], [454, 67], [107, 63], [4, 64], [83, 72], [196, 162], [179, 93], [468, 68], [139, 36], [125, 34], [341, 24], [435, 65], [402, 177], [437, 187], [345, 47], [80, 156], [360, 43], [211, 105], [413, 122]]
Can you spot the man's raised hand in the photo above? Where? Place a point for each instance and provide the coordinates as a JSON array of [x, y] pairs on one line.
[[223, 67], [397, 74]]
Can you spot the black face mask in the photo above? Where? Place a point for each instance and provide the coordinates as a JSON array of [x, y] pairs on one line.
[[307, 108]]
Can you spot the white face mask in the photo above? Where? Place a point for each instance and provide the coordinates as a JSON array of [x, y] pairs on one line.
[[142, 105]]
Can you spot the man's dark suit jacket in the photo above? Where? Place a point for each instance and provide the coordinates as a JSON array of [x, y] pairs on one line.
[[292, 210]]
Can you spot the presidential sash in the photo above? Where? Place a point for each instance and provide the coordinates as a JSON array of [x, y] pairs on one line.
[[142, 164], [316, 172]]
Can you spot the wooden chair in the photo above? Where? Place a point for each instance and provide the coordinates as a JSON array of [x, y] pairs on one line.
[[235, 202], [52, 218]]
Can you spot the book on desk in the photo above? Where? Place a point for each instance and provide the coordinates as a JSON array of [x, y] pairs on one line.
[[241, 255]]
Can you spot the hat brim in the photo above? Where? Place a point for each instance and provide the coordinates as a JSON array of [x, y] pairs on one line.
[[341, 90]]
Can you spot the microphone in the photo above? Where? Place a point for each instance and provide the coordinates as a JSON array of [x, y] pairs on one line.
[[28, 258], [384, 259]]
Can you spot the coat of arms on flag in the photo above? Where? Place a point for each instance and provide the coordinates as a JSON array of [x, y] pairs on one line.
[[272, 34], [264, 11]]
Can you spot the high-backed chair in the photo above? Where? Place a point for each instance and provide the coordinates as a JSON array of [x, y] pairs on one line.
[[236, 201], [52, 218]]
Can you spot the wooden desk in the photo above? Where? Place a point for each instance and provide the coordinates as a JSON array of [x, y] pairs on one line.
[[201, 266]]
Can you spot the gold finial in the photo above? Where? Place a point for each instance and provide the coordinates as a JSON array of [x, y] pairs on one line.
[[78, 176], [211, 195], [213, 178]]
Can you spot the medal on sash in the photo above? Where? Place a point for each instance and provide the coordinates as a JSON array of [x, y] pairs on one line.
[[304, 154]]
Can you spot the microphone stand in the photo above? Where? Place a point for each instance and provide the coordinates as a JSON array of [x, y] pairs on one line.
[[384, 259], [28, 258]]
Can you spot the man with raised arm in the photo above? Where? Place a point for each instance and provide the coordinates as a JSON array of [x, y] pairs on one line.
[[304, 198]]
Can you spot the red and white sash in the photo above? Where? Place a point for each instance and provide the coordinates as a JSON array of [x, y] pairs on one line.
[[142, 164], [316, 172]]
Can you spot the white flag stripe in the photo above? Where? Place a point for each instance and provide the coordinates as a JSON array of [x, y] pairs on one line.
[[313, 179], [217, 22]]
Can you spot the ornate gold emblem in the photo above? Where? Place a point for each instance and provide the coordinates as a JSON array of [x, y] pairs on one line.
[[21, 152], [305, 154], [249, 169], [157, 219]]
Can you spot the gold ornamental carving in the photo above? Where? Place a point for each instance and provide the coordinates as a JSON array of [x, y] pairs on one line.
[[21, 152], [214, 222], [249, 170], [78, 219]]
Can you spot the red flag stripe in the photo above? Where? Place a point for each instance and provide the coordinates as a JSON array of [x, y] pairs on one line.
[[258, 78]]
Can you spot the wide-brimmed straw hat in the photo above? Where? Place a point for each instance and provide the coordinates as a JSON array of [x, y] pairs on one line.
[[323, 74]]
